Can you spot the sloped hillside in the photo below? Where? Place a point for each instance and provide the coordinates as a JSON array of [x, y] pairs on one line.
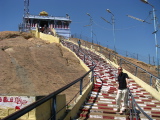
[[30, 66]]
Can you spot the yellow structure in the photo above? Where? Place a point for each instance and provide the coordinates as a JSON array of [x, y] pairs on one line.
[[43, 13], [11, 104], [46, 37]]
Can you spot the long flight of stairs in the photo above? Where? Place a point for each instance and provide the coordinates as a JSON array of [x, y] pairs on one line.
[[101, 104]]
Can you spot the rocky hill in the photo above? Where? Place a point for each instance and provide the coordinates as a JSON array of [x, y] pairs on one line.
[[30, 66]]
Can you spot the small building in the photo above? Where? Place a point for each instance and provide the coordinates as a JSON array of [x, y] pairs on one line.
[[43, 20]]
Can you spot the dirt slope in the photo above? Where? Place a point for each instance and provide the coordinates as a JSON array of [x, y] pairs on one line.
[[29, 66]]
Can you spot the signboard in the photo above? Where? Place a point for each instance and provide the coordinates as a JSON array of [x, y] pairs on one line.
[[15, 102]]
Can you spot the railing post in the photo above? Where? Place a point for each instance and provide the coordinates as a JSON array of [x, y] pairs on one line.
[[120, 64], [136, 71], [54, 108], [81, 86], [151, 80], [92, 76], [84, 58]]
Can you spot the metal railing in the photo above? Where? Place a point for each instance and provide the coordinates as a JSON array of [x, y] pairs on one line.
[[137, 71], [133, 111], [150, 78]]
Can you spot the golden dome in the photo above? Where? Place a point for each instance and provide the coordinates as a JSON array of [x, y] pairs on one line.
[[43, 13]]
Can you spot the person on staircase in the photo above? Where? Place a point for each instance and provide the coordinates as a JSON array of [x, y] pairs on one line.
[[122, 91], [79, 45]]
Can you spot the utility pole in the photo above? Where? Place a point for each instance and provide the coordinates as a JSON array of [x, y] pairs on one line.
[[155, 33], [26, 16], [91, 23]]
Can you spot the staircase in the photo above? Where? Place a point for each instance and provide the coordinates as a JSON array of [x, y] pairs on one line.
[[100, 104]]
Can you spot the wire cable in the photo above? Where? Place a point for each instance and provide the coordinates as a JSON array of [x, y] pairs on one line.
[[117, 29]]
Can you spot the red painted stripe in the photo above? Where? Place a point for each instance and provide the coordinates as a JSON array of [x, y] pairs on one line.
[[155, 112], [149, 100], [137, 91], [142, 96], [146, 93], [140, 102], [157, 103], [108, 117], [151, 105], [109, 97], [155, 115], [113, 102], [105, 94], [147, 108], [83, 109], [102, 104], [97, 85], [104, 108], [134, 84]]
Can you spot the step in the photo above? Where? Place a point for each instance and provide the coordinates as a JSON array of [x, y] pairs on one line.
[[100, 104], [142, 117], [103, 116], [102, 94], [111, 91], [108, 111], [101, 101]]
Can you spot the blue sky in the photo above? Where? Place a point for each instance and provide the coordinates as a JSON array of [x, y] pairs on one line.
[[130, 35]]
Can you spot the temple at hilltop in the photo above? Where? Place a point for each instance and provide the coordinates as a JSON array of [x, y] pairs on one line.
[[43, 20]]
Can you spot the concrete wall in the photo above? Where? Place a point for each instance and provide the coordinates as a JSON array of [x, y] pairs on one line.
[[79, 102], [44, 111], [49, 38], [46, 37], [11, 104], [60, 103]]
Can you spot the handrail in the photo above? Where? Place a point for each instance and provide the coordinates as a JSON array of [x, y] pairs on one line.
[[132, 64], [44, 99], [133, 102]]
